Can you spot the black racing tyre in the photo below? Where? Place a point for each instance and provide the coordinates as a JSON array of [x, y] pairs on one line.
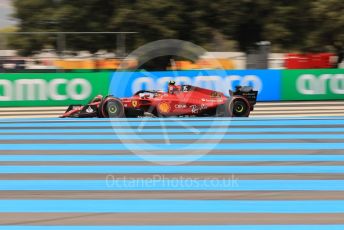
[[240, 108], [111, 107], [237, 107]]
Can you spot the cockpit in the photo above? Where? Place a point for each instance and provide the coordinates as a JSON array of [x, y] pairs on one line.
[[148, 94]]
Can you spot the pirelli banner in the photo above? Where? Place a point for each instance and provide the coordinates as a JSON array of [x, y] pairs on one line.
[[51, 89]]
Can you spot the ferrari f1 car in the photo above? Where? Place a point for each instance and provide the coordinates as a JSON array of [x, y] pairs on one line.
[[179, 100]]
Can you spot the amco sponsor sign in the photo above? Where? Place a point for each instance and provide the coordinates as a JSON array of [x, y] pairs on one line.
[[325, 84], [267, 82], [51, 89]]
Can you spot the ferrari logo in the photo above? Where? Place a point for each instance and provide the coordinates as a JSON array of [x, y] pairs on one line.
[[134, 103]]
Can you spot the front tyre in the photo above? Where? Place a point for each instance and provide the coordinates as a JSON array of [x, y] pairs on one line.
[[112, 108]]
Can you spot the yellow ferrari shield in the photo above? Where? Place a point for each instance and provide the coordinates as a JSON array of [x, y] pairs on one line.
[[134, 103]]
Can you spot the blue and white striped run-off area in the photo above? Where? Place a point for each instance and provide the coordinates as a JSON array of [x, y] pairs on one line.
[[172, 174]]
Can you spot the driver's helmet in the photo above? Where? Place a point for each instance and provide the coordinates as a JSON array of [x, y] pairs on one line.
[[97, 98], [172, 87]]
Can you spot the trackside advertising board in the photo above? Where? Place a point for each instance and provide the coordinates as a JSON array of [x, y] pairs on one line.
[[51, 89], [61, 89], [267, 82], [324, 84]]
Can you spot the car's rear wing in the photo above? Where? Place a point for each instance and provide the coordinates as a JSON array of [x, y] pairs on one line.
[[247, 92]]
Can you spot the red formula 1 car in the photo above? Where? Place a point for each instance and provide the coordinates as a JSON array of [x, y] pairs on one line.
[[181, 100]]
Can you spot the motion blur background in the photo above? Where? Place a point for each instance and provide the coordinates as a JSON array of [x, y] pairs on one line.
[[172, 173], [59, 52], [242, 34]]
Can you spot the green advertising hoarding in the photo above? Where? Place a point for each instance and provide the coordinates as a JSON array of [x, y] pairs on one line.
[[51, 89], [322, 84]]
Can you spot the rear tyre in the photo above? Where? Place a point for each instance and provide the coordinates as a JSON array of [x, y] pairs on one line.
[[241, 108], [237, 107], [112, 107]]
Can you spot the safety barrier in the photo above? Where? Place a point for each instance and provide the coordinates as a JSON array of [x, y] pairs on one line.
[[59, 89], [51, 89], [324, 84], [273, 85]]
